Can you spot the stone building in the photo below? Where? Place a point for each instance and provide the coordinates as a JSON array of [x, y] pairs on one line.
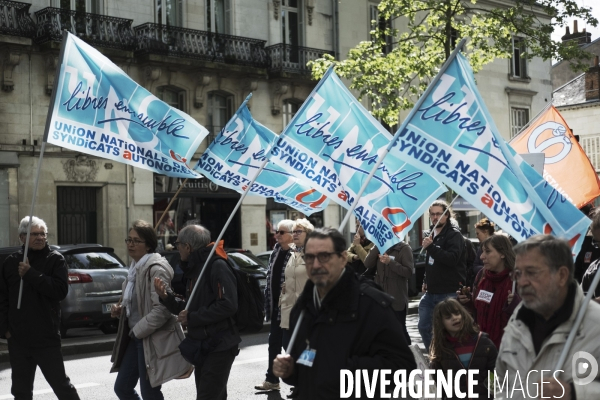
[[203, 57]]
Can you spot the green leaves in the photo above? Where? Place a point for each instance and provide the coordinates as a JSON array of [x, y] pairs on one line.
[[426, 33]]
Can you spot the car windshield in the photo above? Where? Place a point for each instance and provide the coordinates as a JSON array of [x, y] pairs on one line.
[[91, 260], [245, 259]]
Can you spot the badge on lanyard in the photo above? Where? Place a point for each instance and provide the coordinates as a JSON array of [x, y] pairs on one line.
[[430, 260], [588, 257], [308, 356]]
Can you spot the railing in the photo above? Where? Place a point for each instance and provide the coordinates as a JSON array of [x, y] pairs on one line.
[[15, 19], [203, 45], [287, 58], [95, 29]]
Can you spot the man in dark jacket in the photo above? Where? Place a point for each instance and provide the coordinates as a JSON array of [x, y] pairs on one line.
[[445, 265], [211, 311], [33, 329], [346, 325]]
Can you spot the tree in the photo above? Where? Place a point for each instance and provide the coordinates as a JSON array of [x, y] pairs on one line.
[[392, 79]]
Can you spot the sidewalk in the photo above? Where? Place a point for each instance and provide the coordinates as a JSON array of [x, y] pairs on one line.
[[100, 343]]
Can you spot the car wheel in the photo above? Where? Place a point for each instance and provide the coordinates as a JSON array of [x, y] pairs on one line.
[[109, 327], [63, 331]]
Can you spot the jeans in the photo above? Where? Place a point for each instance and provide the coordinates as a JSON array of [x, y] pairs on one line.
[[426, 306], [402, 317], [275, 344], [132, 369], [286, 336], [23, 362], [211, 379]]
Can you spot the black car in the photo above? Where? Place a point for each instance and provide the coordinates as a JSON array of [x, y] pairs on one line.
[[240, 259], [95, 275]]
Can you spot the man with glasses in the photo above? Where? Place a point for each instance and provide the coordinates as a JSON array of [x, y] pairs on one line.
[[33, 329], [275, 278], [538, 329], [346, 325], [445, 265]]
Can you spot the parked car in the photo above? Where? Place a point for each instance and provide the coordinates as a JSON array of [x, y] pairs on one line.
[[240, 259], [95, 275], [264, 257]]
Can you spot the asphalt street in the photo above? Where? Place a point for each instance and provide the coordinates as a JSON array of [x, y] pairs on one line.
[[90, 373]]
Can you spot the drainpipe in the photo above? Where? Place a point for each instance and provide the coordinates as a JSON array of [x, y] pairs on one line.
[[31, 104], [336, 45]]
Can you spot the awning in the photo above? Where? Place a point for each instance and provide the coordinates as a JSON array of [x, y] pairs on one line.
[[9, 159]]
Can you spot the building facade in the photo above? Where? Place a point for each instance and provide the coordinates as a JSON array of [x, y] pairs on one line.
[[203, 57]]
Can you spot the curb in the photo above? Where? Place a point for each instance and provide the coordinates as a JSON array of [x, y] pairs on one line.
[[75, 346]]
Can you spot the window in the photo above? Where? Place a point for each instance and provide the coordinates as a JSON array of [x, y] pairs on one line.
[[173, 96], [382, 24], [518, 119], [218, 16], [519, 60], [291, 22], [290, 108], [82, 6], [591, 146], [220, 111], [169, 12]]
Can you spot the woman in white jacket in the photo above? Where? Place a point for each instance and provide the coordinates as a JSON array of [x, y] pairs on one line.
[[146, 348], [295, 277]]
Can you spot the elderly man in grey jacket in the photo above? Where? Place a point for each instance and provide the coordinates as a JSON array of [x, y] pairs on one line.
[[538, 329]]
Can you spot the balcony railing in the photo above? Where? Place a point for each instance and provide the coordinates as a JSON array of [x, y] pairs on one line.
[[15, 19], [191, 43], [287, 58], [95, 29]]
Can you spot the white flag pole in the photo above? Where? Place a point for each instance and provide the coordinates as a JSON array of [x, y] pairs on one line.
[[575, 328], [45, 139], [406, 121]]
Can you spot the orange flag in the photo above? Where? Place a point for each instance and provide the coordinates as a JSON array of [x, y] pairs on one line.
[[567, 167]]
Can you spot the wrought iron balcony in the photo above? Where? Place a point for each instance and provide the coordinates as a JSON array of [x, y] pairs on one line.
[[287, 58], [202, 45], [15, 19], [95, 29]]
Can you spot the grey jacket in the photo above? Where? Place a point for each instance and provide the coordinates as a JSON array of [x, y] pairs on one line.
[[158, 328], [517, 354], [393, 278]]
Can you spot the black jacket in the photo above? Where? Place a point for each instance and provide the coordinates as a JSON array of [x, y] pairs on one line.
[[483, 360], [37, 322], [355, 328], [210, 315], [589, 253], [449, 261]]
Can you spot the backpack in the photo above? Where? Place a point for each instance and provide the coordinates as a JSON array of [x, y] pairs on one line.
[[251, 303]]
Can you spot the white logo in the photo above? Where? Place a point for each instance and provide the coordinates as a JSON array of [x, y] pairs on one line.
[[558, 131], [581, 368]]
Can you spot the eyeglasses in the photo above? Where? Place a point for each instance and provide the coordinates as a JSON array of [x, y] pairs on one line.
[[436, 214], [135, 242], [299, 232], [177, 244], [322, 257], [281, 232], [37, 234], [529, 274]]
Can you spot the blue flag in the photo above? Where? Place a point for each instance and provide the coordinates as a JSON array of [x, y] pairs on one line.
[[332, 144], [452, 136], [97, 109], [235, 156]]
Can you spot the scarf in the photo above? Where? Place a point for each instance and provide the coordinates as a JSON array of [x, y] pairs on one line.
[[128, 295], [489, 315]]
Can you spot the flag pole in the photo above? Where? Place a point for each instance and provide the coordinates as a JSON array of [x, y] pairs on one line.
[[171, 203], [393, 141], [43, 148], [214, 248], [532, 120], [575, 328]]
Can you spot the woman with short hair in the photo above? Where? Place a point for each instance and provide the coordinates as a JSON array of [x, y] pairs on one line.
[[295, 276]]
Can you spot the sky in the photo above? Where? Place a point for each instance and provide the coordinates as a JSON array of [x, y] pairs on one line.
[[595, 6]]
